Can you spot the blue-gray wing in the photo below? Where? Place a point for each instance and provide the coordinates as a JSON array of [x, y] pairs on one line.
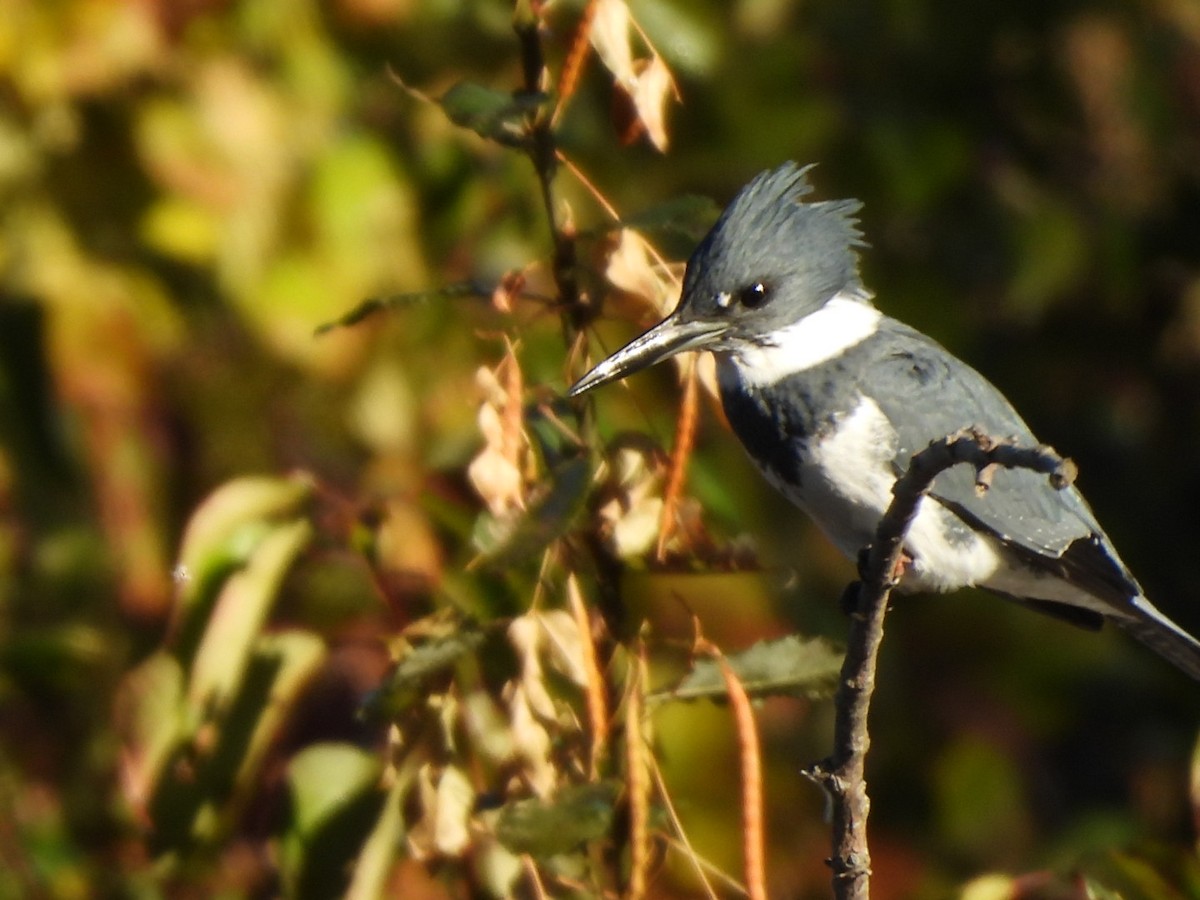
[[926, 394]]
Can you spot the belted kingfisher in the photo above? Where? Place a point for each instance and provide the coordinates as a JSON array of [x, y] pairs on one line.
[[831, 399]]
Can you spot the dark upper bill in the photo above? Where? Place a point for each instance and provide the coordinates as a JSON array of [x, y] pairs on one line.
[[664, 340]]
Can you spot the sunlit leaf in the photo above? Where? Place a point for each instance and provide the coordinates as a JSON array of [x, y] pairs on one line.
[[150, 711], [221, 535], [790, 666], [446, 800], [380, 849], [611, 34], [240, 612], [182, 228], [335, 800], [992, 886], [652, 91]]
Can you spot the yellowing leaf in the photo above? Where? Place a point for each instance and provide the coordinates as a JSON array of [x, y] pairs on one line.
[[182, 228]]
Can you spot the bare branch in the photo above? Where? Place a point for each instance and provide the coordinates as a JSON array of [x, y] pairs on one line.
[[842, 774]]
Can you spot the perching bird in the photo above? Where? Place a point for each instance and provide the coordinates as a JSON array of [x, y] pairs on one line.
[[831, 399]]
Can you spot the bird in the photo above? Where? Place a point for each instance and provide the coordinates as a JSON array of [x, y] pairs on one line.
[[831, 398]]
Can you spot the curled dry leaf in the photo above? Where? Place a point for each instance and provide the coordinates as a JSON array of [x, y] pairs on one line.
[[652, 89], [644, 79], [632, 516], [532, 743], [446, 800], [508, 290], [551, 637], [542, 638], [497, 473], [611, 34], [525, 636], [633, 269]]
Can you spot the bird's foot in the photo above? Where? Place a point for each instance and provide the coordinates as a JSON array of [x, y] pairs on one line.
[[903, 561]]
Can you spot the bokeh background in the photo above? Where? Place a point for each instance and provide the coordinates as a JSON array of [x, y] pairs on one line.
[[188, 189]]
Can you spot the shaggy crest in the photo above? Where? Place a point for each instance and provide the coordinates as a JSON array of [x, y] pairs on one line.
[[769, 232]]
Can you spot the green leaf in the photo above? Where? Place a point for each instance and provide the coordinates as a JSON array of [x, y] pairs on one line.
[[504, 541], [408, 681], [239, 614], [374, 305], [544, 828], [280, 667], [221, 536], [201, 786], [496, 115], [379, 850], [150, 709], [335, 801], [690, 215], [791, 666]]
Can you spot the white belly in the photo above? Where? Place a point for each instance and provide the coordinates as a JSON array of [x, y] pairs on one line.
[[846, 486]]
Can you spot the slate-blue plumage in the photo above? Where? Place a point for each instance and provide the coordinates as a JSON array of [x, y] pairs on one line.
[[831, 399]]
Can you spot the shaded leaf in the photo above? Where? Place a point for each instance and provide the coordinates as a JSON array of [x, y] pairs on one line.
[[544, 828], [502, 541], [408, 681], [373, 305], [496, 115], [211, 771], [279, 670], [690, 215], [335, 801], [791, 666]]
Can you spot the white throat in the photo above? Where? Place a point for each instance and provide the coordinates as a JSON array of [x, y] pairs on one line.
[[843, 322]]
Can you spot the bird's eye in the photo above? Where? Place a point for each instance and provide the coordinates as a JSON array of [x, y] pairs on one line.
[[754, 295]]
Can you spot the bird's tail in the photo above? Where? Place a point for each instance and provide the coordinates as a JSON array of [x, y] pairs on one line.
[[1163, 636]]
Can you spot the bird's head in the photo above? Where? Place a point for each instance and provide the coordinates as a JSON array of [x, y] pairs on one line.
[[769, 261]]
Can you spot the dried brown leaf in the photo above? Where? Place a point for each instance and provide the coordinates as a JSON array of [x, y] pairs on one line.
[[611, 34], [633, 269], [652, 90], [643, 81], [685, 437], [497, 472], [446, 800]]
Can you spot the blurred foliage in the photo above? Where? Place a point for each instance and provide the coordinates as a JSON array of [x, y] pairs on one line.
[[373, 613]]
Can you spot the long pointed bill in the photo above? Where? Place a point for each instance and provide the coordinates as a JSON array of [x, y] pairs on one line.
[[664, 340]]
